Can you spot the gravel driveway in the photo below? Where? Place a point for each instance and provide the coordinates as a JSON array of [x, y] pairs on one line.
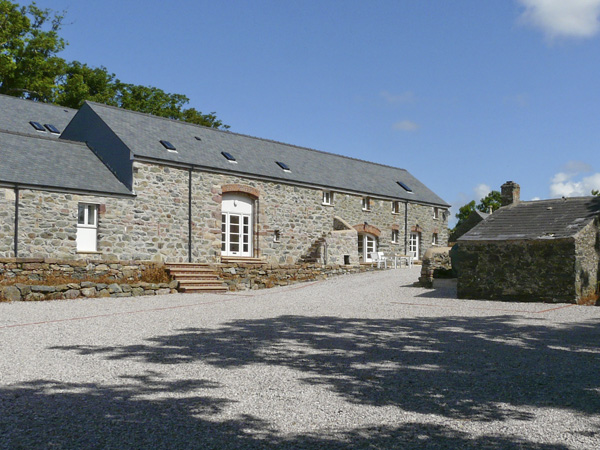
[[362, 361]]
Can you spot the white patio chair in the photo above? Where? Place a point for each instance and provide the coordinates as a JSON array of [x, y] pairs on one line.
[[379, 257]]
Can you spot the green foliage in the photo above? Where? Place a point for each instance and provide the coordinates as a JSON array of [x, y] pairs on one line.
[[29, 43], [464, 212], [493, 200], [30, 68], [596, 192]]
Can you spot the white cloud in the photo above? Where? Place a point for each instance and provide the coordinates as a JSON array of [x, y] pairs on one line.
[[481, 190], [406, 125], [562, 18], [404, 97], [567, 185]]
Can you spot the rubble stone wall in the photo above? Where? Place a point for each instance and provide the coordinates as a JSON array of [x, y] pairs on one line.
[[540, 270], [7, 222]]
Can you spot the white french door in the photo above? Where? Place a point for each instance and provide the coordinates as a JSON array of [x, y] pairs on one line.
[[236, 234], [414, 244], [236, 225], [367, 244]]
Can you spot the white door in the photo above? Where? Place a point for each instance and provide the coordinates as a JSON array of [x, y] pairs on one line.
[[236, 225], [367, 244], [87, 227], [415, 239]]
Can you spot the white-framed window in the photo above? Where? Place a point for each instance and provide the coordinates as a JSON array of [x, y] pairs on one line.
[[436, 212], [87, 227], [396, 207], [327, 198], [366, 204], [395, 236], [434, 239], [276, 236]]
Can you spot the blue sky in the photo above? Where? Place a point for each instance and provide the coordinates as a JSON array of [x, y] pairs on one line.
[[465, 95]]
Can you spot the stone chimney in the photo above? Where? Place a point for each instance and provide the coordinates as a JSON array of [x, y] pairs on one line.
[[511, 193]]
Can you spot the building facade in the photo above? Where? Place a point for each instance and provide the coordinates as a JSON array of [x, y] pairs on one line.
[[113, 184]]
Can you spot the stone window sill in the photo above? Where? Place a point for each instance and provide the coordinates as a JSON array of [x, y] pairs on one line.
[[88, 253]]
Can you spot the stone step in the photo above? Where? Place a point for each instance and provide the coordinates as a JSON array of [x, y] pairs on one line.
[[193, 277], [242, 260], [195, 282], [204, 290]]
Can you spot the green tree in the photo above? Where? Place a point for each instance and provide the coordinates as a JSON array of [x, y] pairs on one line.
[[81, 82], [596, 192], [29, 43], [464, 212], [493, 200], [30, 68]]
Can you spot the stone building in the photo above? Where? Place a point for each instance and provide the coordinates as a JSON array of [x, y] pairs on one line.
[[546, 250], [111, 184]]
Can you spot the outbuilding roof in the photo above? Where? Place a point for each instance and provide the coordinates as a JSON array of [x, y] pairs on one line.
[[205, 147], [541, 219], [54, 163], [17, 113]]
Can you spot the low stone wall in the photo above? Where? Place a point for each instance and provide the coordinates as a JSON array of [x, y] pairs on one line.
[[239, 277], [50, 279], [27, 292], [436, 264], [42, 268]]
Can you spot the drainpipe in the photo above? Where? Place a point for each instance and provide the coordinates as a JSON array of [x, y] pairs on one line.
[[257, 221], [406, 228], [190, 215], [16, 239]]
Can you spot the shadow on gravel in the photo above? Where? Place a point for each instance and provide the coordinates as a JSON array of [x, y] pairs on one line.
[[48, 414], [476, 368]]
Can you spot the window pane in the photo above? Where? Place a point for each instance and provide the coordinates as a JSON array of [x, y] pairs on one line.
[[234, 247], [91, 214], [81, 214]]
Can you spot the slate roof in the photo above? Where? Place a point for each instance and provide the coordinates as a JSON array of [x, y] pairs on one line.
[[542, 219], [16, 113], [142, 134], [53, 163]]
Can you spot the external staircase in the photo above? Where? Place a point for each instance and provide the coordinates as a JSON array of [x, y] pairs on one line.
[[195, 278]]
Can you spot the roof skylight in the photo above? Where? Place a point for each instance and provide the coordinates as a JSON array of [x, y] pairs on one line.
[[229, 157], [38, 126], [168, 146], [51, 128], [404, 186], [284, 166]]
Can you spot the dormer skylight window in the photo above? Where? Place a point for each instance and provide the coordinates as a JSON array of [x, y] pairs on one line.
[[404, 186], [168, 146], [51, 128], [38, 126], [284, 166], [229, 157], [198, 138]]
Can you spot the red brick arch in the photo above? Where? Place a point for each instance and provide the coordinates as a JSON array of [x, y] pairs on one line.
[[362, 228], [240, 188]]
